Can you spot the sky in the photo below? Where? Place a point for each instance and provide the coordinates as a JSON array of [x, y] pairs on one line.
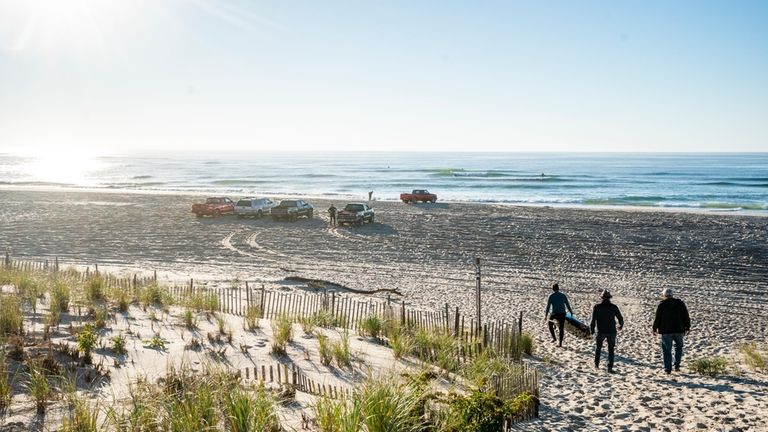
[[121, 76]]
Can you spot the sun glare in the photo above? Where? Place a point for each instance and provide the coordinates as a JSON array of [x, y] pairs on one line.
[[62, 167]]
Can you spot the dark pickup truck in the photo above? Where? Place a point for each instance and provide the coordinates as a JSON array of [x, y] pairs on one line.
[[356, 214], [215, 206], [292, 210], [417, 195]]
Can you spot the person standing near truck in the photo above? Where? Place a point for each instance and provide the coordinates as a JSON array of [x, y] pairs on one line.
[[332, 214]]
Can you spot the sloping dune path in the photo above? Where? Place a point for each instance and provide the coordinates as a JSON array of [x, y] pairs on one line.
[[716, 263]]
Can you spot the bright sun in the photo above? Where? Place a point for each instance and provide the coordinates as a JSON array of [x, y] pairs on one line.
[[62, 167], [65, 25]]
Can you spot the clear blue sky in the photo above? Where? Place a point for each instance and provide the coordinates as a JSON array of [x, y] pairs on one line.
[[112, 75]]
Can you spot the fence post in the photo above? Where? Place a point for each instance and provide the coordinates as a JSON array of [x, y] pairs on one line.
[[520, 324]]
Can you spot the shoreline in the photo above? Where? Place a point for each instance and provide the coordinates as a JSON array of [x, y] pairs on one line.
[[355, 198]]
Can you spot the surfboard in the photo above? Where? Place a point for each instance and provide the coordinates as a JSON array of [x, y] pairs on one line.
[[576, 327]]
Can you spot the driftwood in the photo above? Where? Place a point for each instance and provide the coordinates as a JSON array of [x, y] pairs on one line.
[[328, 284]]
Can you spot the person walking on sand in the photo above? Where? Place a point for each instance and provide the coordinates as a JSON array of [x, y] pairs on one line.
[[558, 302], [332, 214], [370, 196], [671, 322], [604, 317]]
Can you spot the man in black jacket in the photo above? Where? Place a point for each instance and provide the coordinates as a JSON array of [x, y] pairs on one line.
[[604, 315], [672, 321]]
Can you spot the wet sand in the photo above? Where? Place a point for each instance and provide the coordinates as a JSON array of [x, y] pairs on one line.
[[716, 263]]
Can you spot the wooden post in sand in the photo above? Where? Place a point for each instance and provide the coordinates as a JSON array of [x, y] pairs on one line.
[[7, 259], [477, 292]]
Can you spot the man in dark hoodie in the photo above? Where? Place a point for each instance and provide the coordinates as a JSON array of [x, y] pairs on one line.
[[558, 303], [604, 316], [672, 321]]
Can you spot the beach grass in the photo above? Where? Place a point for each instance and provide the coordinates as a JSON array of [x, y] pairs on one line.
[[709, 366], [282, 330], [341, 351], [371, 326], [252, 315], [753, 357]]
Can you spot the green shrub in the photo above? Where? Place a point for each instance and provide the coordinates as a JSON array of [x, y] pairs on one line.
[[156, 342], [201, 301], [371, 326], [11, 320], [100, 317], [753, 357], [482, 411], [86, 341], [710, 366], [118, 344]]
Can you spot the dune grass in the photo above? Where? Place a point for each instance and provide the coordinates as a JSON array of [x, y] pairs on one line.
[[709, 366], [341, 351], [324, 348], [252, 315], [753, 358], [87, 338], [10, 316], [6, 387], [38, 388], [526, 343], [371, 326], [282, 329]]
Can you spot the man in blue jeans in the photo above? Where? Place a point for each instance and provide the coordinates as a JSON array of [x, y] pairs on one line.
[[604, 317], [672, 322]]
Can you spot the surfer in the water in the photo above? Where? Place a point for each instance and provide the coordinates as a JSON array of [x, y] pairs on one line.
[[558, 302], [604, 315]]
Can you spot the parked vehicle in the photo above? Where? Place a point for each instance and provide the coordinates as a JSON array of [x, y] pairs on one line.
[[292, 210], [214, 206], [356, 213], [417, 195], [253, 207]]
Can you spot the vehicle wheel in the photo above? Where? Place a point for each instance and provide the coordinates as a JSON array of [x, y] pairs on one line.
[[259, 214], [309, 215], [432, 200], [371, 220], [216, 213]]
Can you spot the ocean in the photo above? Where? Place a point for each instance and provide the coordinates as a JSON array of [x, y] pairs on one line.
[[717, 181]]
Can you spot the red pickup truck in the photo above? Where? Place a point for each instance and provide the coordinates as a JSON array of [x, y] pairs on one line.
[[215, 206], [417, 195]]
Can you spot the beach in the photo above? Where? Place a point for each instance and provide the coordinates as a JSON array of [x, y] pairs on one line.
[[715, 263]]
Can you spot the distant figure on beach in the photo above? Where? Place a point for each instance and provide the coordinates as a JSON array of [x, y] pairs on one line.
[[604, 316], [672, 322], [370, 195], [558, 302], [332, 214]]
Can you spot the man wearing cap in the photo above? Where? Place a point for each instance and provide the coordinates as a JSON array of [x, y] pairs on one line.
[[604, 316], [558, 302], [672, 321]]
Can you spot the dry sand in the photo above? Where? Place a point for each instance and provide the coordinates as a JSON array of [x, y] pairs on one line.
[[716, 263]]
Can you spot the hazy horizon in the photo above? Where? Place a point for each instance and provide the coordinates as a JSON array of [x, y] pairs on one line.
[[117, 77]]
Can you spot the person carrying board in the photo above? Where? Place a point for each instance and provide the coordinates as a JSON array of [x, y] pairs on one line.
[[558, 302]]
